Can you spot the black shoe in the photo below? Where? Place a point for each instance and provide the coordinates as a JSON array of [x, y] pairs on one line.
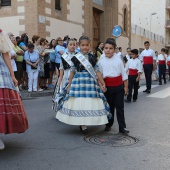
[[107, 128], [165, 82], [149, 91], [128, 101], [160, 83], [145, 91], [138, 87], [124, 131], [85, 131], [46, 88], [134, 100]]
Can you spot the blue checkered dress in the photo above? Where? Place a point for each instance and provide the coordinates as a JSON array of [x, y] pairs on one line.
[[5, 78], [84, 86]]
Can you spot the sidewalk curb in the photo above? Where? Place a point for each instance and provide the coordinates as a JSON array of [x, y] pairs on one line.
[[26, 95]]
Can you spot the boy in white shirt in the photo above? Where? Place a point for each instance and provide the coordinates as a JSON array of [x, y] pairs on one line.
[[149, 64], [162, 65], [115, 78], [134, 67]]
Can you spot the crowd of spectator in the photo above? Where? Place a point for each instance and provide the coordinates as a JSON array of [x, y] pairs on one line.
[[36, 61]]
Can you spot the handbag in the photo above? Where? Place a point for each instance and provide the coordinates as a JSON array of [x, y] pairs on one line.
[[32, 67]]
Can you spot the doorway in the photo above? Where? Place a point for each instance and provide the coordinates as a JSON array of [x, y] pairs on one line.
[[96, 27]]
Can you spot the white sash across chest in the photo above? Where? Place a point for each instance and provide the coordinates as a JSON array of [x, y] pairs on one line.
[[82, 59], [67, 58]]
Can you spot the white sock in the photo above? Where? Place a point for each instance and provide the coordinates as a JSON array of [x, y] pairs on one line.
[[2, 146], [83, 127]]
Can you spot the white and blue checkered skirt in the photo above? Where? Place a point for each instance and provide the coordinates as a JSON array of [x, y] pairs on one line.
[[5, 77], [85, 104]]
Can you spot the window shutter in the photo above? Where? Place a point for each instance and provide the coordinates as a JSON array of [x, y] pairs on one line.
[[5, 2], [125, 20], [57, 5]]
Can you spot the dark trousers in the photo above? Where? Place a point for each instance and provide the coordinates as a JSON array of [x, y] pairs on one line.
[[115, 99], [58, 66], [132, 85], [148, 68], [162, 71]]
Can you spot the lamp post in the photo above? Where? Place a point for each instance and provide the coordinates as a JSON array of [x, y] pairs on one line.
[[154, 13]]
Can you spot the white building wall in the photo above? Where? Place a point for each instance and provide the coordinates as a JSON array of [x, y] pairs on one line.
[[11, 24], [138, 42], [60, 28], [76, 11]]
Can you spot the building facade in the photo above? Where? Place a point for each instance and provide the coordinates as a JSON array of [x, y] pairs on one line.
[[148, 23], [55, 18], [167, 26]]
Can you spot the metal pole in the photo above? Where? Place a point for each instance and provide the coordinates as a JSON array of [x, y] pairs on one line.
[[117, 41]]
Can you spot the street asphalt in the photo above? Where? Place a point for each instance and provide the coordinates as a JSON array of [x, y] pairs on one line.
[[52, 145]]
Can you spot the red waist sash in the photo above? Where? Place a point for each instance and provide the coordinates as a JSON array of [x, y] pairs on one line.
[[147, 60], [168, 63], [113, 81], [133, 72], [162, 62]]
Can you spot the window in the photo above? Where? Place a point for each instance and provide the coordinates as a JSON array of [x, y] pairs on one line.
[[57, 5], [125, 20], [5, 2]]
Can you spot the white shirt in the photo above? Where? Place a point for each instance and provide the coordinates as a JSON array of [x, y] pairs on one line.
[[112, 67], [102, 57], [14, 66], [119, 54], [161, 57], [127, 57], [168, 58], [156, 58], [149, 53], [134, 64]]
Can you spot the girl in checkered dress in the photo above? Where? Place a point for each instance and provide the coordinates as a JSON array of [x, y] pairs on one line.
[[64, 66], [85, 103], [12, 114]]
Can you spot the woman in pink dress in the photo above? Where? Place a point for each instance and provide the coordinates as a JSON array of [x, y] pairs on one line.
[[13, 118]]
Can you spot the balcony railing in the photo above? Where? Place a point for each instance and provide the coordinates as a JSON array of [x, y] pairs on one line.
[[147, 34]]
